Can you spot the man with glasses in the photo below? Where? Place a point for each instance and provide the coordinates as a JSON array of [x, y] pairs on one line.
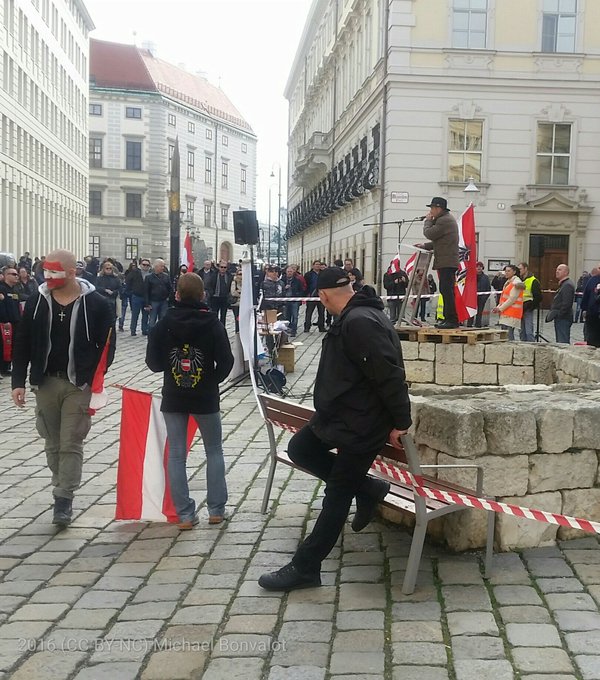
[[135, 281], [10, 315], [219, 287]]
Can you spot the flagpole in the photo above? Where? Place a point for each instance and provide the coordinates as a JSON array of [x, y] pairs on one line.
[[174, 213]]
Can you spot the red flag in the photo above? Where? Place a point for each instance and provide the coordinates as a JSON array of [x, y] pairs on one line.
[[465, 292], [99, 396], [142, 481], [410, 263], [187, 257]]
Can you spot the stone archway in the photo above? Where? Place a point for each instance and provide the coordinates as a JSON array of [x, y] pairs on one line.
[[556, 215], [226, 251]]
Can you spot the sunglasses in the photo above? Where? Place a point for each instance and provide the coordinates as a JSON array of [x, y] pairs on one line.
[[222, 267]]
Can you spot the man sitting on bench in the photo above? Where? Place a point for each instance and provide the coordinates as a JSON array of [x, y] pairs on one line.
[[361, 402]]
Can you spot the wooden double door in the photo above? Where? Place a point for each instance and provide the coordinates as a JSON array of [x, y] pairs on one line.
[[546, 252]]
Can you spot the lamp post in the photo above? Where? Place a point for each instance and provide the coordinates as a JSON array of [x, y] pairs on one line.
[[269, 231], [278, 214], [471, 188]]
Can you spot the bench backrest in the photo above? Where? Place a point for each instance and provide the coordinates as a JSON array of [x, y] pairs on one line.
[[292, 416]]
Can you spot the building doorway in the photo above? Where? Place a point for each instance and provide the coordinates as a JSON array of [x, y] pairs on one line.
[[546, 252]]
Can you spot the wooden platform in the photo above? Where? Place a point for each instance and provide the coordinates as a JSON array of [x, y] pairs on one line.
[[410, 333], [469, 336]]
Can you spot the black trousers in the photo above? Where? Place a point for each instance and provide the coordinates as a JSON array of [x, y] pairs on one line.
[[592, 331], [220, 305], [447, 276], [345, 477], [310, 308]]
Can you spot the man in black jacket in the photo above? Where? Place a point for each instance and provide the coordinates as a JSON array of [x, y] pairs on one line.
[[157, 291], [361, 401], [62, 334], [10, 316], [134, 282], [311, 290], [192, 349], [218, 286]]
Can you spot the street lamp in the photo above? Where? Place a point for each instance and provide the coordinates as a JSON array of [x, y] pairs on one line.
[[471, 187], [278, 214]]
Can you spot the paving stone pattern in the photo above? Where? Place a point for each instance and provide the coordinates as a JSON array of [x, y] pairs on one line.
[[125, 600]]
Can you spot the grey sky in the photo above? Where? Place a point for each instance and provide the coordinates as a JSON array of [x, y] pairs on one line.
[[248, 44]]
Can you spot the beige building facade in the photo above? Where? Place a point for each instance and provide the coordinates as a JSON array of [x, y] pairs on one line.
[[393, 102], [43, 125]]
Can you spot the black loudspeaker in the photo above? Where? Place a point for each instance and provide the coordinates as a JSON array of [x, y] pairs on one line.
[[245, 227], [536, 245]]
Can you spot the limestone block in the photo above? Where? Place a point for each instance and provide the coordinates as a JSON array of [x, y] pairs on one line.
[[474, 354], [592, 373], [581, 503], [448, 374], [501, 475], [516, 532], [555, 429], [586, 427], [452, 427], [427, 351], [499, 353], [449, 354], [419, 371], [509, 428], [544, 370], [480, 374], [523, 354], [465, 530], [551, 472], [515, 375], [410, 350], [429, 456], [416, 401]]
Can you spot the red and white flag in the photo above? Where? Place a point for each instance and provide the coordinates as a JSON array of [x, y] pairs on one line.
[[395, 265], [142, 481], [410, 263], [187, 257], [465, 292], [99, 396]]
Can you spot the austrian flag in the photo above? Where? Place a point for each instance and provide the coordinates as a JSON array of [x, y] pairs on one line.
[[142, 481]]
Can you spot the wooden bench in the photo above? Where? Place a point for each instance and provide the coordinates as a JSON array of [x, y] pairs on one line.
[[290, 416]]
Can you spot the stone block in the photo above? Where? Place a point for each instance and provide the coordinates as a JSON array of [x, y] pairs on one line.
[[562, 471], [426, 351], [523, 354], [586, 427], [419, 371], [515, 532], [582, 503], [474, 354], [502, 475], [555, 428], [465, 530], [543, 367], [449, 354], [452, 427], [515, 375], [499, 353], [480, 374], [410, 350], [509, 428], [448, 374]]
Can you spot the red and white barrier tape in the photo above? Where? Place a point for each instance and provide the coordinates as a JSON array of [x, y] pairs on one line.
[[428, 296], [398, 474]]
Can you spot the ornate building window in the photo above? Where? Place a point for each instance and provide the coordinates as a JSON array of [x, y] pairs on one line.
[[553, 153], [469, 20], [464, 150], [558, 25]]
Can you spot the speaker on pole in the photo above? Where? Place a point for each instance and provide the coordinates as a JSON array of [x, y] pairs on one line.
[[245, 227]]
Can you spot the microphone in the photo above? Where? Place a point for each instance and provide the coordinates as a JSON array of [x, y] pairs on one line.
[[419, 219]]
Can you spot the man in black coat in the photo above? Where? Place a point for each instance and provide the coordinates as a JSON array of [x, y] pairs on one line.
[[218, 285], [10, 315], [157, 291], [361, 402]]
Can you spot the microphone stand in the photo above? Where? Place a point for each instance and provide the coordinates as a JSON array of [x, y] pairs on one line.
[[538, 336]]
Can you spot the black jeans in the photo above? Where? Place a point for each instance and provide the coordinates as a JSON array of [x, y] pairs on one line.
[[447, 276], [220, 305], [310, 308], [344, 475]]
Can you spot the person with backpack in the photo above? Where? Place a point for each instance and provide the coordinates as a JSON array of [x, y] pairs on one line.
[[190, 346]]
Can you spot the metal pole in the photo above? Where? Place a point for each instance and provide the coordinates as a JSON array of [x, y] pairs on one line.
[[269, 232], [174, 215], [279, 223]]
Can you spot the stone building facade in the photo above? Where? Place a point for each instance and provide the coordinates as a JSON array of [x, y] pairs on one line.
[[43, 125], [394, 102], [139, 107]]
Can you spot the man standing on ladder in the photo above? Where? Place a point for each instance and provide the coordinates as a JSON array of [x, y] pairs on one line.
[[442, 230]]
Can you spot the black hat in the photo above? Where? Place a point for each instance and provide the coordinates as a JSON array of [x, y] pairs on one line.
[[438, 202], [332, 277]]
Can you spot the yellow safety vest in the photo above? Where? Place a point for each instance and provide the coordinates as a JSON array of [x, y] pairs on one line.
[[527, 294], [439, 312]]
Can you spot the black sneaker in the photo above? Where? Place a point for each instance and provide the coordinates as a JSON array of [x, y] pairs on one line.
[[445, 325], [366, 505], [288, 578], [63, 511]]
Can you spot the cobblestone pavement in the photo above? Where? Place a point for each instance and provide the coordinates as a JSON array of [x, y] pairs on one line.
[[121, 600]]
